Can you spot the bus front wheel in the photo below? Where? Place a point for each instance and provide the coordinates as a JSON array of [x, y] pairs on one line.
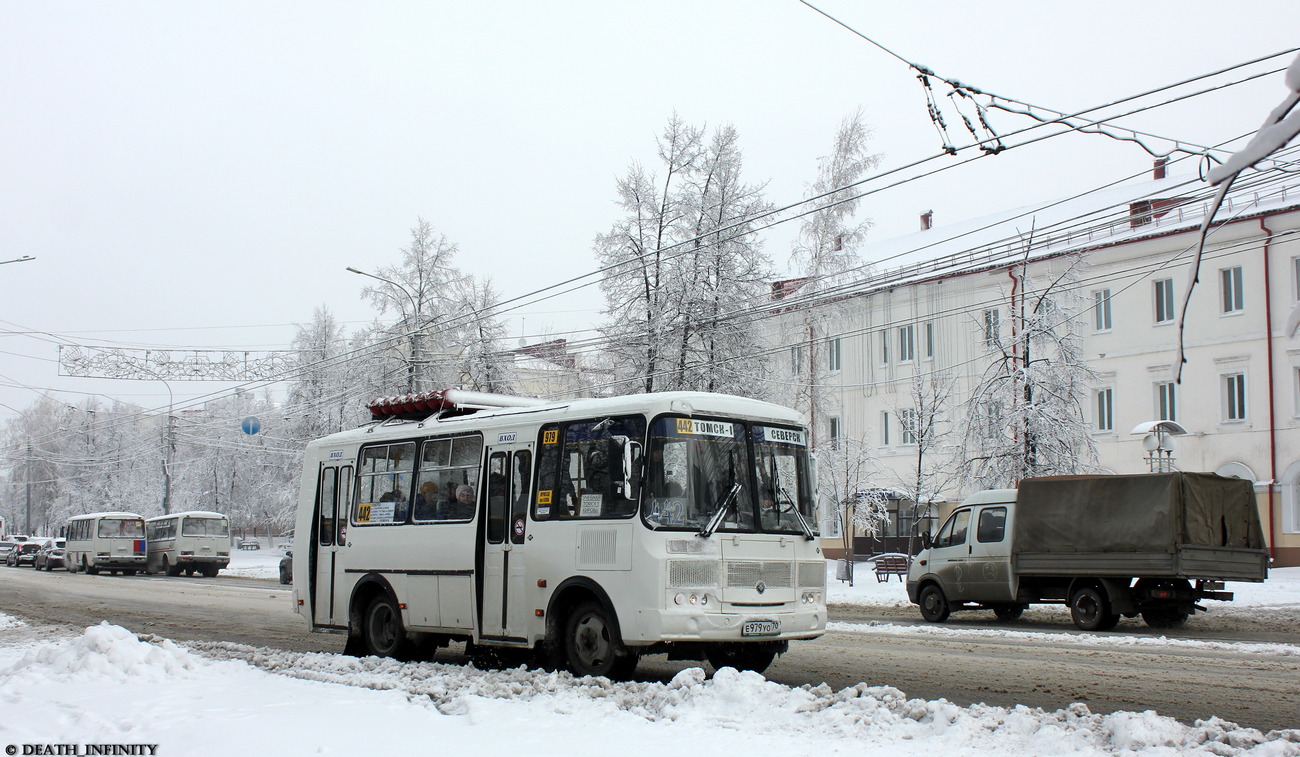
[[590, 646]]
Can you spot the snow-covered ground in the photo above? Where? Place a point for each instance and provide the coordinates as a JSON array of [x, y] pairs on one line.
[[108, 686]]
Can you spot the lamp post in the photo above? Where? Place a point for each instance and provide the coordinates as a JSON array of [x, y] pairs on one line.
[[1159, 443], [413, 331]]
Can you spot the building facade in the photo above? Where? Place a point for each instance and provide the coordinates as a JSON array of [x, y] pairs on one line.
[[936, 309]]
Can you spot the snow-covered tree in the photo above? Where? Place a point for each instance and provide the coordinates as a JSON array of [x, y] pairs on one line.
[[425, 290], [682, 264], [483, 364], [824, 255], [926, 428], [1026, 415], [847, 476]]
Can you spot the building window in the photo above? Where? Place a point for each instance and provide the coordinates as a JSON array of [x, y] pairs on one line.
[[796, 359], [1101, 310], [884, 429], [991, 327], [906, 343], [1167, 401], [1106, 409], [1295, 276], [1233, 292], [833, 354], [1164, 300], [907, 421], [834, 432], [929, 341], [884, 347], [1234, 397]]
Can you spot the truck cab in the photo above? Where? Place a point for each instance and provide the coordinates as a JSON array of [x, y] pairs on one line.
[[968, 560]]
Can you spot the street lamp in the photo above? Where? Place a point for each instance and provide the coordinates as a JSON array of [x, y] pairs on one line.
[[23, 259], [1159, 443], [413, 331]]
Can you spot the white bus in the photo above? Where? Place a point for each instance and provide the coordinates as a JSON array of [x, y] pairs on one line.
[[590, 531], [188, 542], [112, 541]]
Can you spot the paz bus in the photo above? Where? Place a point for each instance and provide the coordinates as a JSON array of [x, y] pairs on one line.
[[583, 533], [110, 541], [188, 542]]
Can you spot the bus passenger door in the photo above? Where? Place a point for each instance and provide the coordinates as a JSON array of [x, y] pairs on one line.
[[507, 487], [329, 536]]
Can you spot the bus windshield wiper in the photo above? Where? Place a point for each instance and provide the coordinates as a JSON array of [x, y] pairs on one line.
[[721, 512], [783, 497], [803, 522]]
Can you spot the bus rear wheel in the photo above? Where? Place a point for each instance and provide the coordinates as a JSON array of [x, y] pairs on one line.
[[210, 571], [590, 646], [169, 569], [382, 631], [88, 568]]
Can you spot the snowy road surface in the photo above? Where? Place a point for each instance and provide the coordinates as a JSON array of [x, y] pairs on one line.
[[102, 684]]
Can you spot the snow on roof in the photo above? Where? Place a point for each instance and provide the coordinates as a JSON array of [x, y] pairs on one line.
[[1104, 217]]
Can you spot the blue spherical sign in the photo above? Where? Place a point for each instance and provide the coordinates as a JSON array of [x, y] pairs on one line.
[[251, 425]]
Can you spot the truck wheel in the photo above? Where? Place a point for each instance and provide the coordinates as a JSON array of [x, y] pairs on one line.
[[590, 646], [1008, 613], [1164, 617], [754, 656], [934, 605], [1091, 611]]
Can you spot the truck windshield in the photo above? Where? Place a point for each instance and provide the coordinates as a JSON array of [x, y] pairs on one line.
[[693, 465]]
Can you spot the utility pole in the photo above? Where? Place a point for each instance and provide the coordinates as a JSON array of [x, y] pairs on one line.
[[27, 520]]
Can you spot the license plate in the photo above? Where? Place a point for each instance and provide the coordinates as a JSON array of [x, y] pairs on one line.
[[761, 628]]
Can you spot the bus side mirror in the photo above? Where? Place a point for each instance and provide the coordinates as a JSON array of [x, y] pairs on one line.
[[926, 541]]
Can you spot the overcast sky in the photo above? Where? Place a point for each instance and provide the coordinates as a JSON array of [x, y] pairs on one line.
[[200, 174]]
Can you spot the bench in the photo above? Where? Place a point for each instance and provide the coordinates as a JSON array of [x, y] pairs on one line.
[[890, 565], [250, 544]]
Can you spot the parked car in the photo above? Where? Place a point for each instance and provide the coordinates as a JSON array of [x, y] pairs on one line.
[[23, 554], [250, 544], [6, 547], [286, 567], [50, 556]]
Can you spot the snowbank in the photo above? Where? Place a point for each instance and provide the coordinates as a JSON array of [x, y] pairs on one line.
[[109, 686]]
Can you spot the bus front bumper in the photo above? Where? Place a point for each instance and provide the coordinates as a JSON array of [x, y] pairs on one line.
[[688, 625]]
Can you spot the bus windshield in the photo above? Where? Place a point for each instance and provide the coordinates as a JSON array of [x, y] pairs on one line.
[[193, 526], [753, 477], [121, 528]]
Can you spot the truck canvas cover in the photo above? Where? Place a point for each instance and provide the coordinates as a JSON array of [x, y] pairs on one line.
[[1180, 519]]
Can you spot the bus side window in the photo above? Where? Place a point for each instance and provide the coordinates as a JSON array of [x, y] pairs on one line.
[[519, 476], [547, 503], [498, 497], [325, 505]]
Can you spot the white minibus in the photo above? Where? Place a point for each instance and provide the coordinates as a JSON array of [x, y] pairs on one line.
[[110, 541], [189, 542], [583, 534]]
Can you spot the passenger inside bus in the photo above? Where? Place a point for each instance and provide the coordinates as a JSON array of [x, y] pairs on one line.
[[463, 506], [426, 501]]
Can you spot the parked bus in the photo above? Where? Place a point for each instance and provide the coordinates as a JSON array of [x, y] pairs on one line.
[[590, 531], [189, 543], [105, 541]]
